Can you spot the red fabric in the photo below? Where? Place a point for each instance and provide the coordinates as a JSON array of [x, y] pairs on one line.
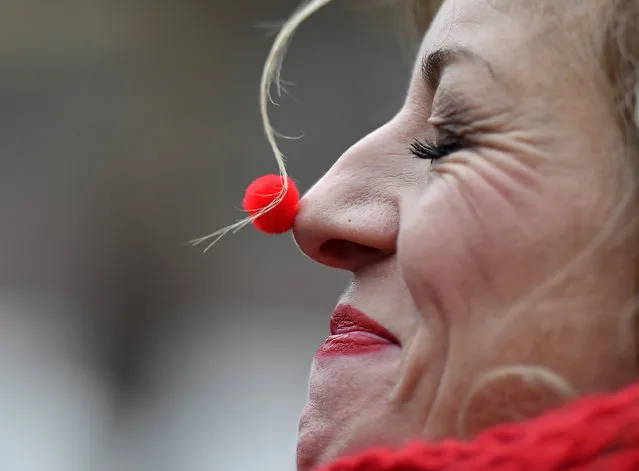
[[599, 432], [261, 193]]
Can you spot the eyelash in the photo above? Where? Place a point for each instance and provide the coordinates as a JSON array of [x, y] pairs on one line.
[[424, 150]]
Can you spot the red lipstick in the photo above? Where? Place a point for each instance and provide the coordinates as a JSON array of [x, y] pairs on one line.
[[353, 333]]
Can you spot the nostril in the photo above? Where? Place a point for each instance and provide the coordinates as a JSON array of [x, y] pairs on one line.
[[345, 252]]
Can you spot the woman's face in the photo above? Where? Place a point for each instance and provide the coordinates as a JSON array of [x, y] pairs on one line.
[[491, 267]]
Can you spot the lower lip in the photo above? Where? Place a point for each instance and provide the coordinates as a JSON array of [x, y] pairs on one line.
[[353, 343]]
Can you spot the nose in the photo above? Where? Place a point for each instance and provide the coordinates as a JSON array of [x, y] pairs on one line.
[[350, 217]]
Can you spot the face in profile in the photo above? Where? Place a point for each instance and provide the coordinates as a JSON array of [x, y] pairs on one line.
[[481, 225]]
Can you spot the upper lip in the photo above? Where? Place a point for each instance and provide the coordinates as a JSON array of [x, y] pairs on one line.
[[347, 319]]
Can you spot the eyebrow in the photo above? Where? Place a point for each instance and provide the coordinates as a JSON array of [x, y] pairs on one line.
[[436, 61]]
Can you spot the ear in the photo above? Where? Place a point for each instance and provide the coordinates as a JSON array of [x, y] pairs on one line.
[[511, 394]]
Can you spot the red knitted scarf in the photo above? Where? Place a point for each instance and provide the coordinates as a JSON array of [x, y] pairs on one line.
[[599, 432]]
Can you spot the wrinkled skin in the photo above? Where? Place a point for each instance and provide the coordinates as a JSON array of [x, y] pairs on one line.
[[483, 259]]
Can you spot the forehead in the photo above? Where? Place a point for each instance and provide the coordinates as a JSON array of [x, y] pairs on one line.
[[529, 45], [487, 24]]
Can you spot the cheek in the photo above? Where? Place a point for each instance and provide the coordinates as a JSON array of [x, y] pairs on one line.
[[469, 252], [471, 240]]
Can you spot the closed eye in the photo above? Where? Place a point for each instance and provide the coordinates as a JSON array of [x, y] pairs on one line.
[[424, 150]]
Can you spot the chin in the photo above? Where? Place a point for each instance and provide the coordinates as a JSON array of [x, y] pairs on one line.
[[317, 450], [308, 458], [320, 442], [313, 442], [323, 440]]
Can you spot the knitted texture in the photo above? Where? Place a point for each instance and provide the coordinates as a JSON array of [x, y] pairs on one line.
[[599, 432]]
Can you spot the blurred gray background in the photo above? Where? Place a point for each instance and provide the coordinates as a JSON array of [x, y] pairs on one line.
[[129, 127]]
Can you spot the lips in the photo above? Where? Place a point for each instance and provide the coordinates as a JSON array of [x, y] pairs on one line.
[[353, 333]]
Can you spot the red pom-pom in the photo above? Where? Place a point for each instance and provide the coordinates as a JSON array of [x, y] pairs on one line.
[[261, 192]]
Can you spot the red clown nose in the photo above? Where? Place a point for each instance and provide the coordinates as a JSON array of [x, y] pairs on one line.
[[261, 193]]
